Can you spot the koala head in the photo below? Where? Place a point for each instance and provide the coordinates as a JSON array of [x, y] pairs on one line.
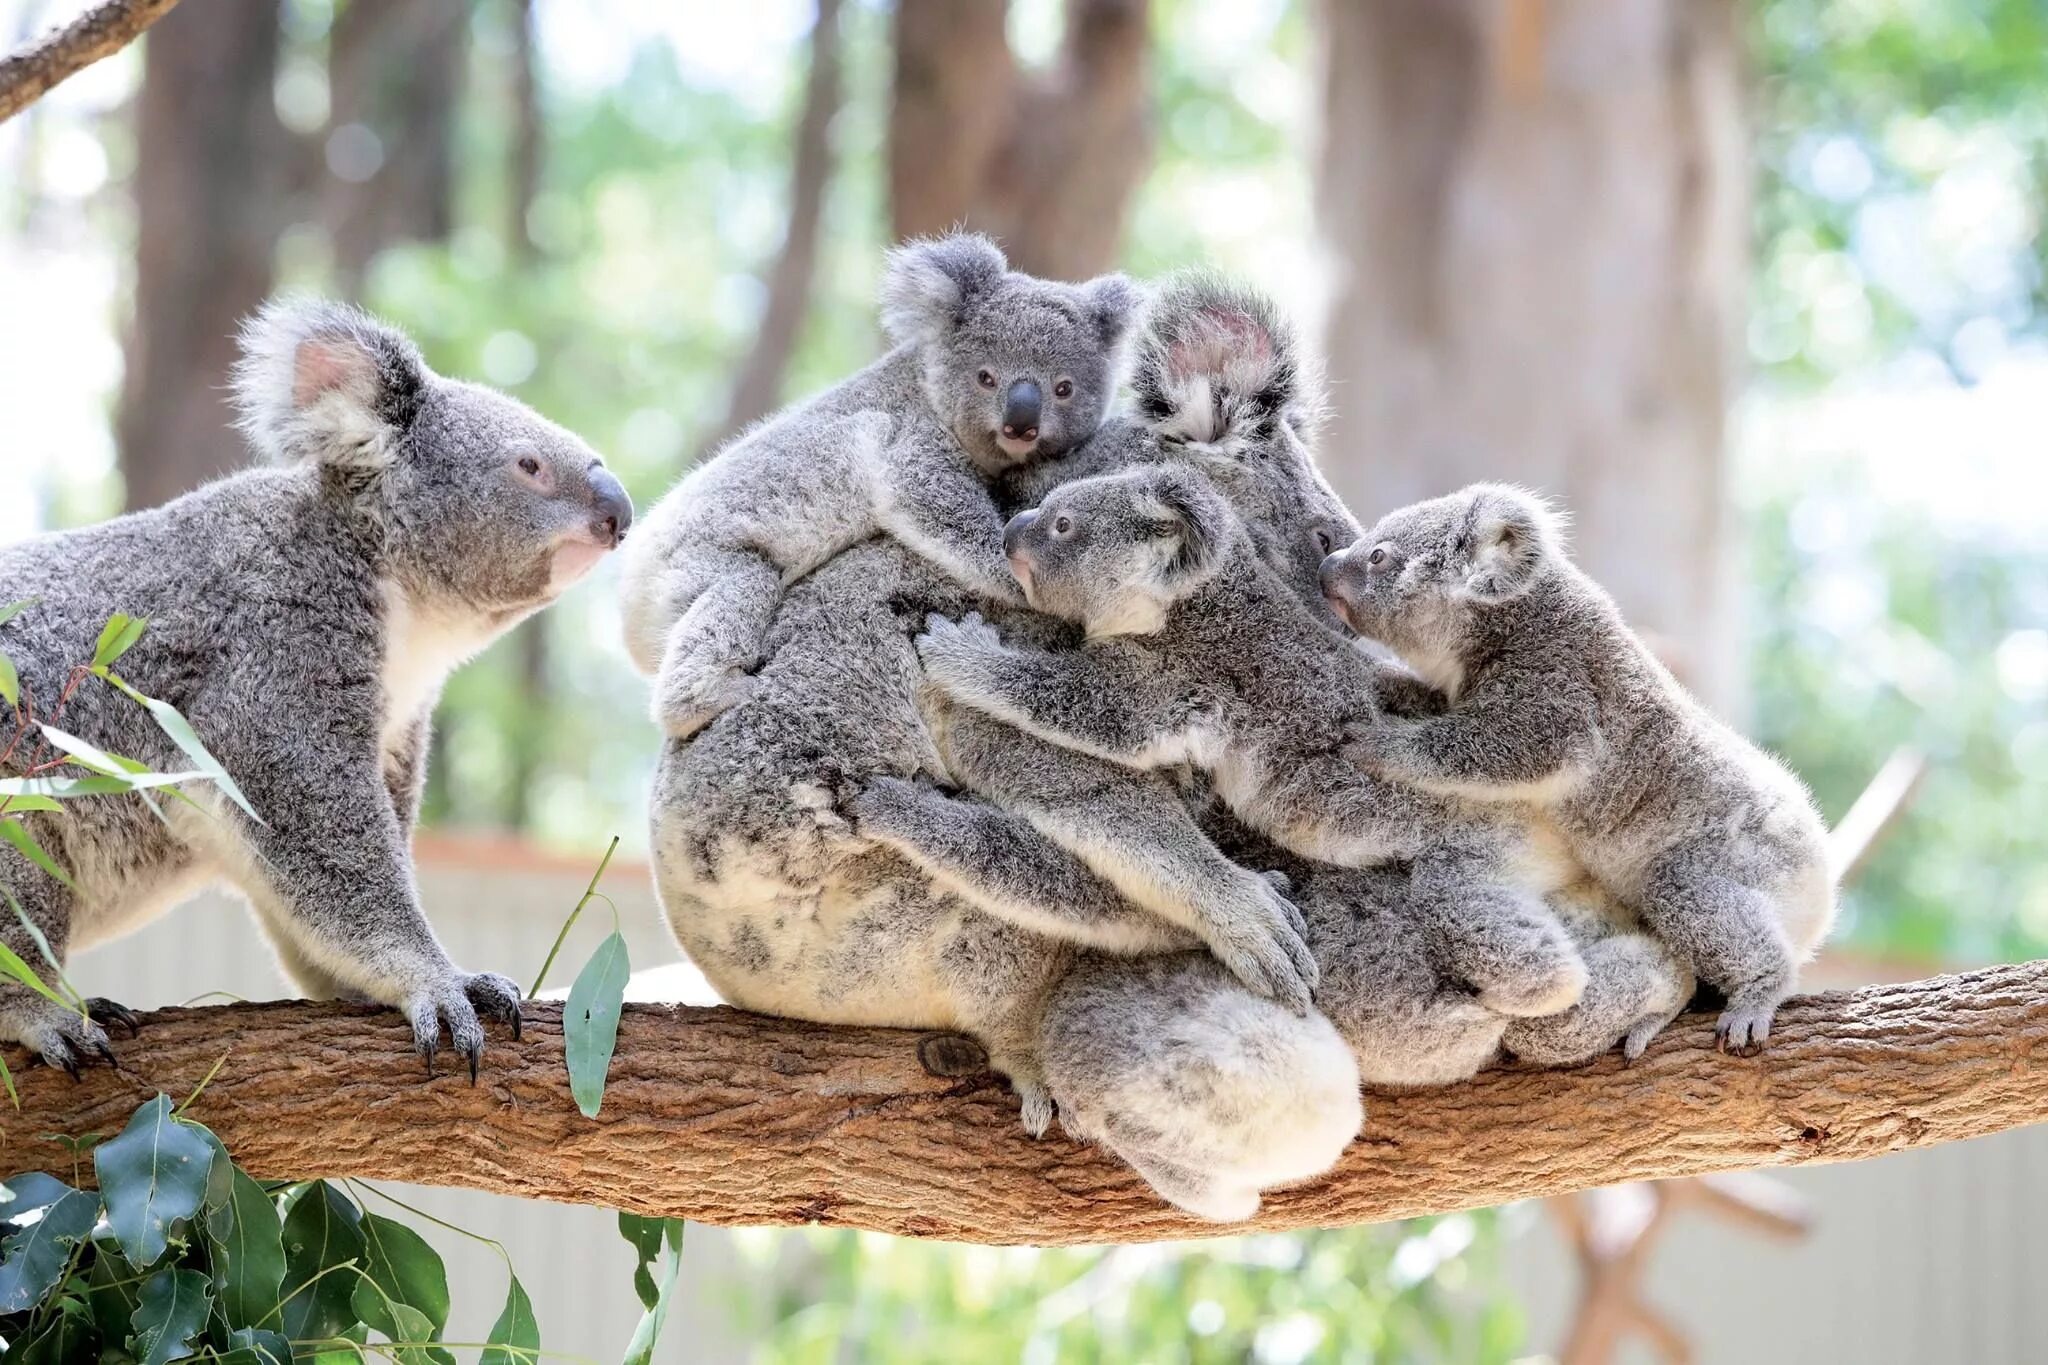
[[1019, 369], [481, 503], [1221, 382], [1115, 552], [1417, 581]]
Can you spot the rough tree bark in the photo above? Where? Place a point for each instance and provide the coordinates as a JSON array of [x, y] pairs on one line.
[[26, 76], [1537, 216], [1047, 161], [208, 159], [726, 1117]]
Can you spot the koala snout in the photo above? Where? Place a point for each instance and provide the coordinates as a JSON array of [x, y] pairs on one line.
[[1021, 409], [1013, 534], [614, 508]]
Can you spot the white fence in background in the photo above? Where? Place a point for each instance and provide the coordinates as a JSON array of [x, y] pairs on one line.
[[1930, 1256]]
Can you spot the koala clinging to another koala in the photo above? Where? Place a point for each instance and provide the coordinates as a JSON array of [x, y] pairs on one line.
[[303, 618], [1197, 653], [992, 370], [1556, 705]]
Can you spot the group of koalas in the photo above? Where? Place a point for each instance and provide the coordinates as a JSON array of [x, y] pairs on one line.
[[988, 709]]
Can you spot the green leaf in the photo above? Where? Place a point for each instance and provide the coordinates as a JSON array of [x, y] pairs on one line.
[[152, 1174], [68, 1336], [89, 755], [246, 1245], [100, 784], [11, 831], [515, 1336], [12, 965], [320, 1234], [32, 1260], [171, 1309], [254, 1346], [117, 637], [645, 1235], [406, 1293], [10, 681], [14, 609], [640, 1350], [590, 1021], [42, 944], [7, 1080], [187, 739], [24, 1194], [110, 1289], [22, 805]]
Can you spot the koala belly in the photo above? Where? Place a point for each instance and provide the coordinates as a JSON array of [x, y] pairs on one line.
[[130, 867]]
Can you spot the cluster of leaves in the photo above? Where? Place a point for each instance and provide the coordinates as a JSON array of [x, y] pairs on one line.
[[182, 1255], [43, 753]]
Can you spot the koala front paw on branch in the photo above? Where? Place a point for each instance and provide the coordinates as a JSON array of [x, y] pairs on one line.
[[303, 618]]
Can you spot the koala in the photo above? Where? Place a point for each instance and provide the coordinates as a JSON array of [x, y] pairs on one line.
[[302, 616], [992, 370], [1197, 653], [1556, 707]]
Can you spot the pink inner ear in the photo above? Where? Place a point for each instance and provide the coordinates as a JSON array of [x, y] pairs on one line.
[[1216, 338], [321, 366]]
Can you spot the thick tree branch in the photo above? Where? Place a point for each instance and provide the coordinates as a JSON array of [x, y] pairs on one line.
[[727, 1117], [28, 75]]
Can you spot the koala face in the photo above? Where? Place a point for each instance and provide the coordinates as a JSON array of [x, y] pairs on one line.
[[483, 503], [1415, 581], [1115, 552], [1019, 369]]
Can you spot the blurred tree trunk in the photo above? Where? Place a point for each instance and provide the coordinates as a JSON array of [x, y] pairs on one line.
[[208, 145], [1044, 161], [1537, 214], [395, 78]]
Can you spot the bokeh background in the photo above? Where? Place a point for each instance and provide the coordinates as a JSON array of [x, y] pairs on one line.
[[1756, 289]]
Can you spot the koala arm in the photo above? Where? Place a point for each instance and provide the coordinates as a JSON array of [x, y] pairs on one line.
[[1500, 744], [927, 497], [1094, 699]]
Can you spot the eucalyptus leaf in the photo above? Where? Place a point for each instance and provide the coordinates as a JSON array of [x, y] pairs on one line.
[[172, 723], [99, 784], [117, 637], [246, 1246], [89, 755], [10, 681], [18, 804], [14, 609], [254, 1346], [645, 1235], [640, 1350], [68, 1335], [153, 1174], [590, 1021], [406, 1294], [33, 1259], [27, 1192], [171, 1309], [320, 1234], [12, 965], [12, 831], [110, 1290], [515, 1336]]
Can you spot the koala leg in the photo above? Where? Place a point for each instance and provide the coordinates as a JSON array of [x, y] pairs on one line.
[[1634, 987], [331, 880], [1731, 935], [59, 1035], [1002, 864], [1132, 830], [706, 662], [1509, 946]]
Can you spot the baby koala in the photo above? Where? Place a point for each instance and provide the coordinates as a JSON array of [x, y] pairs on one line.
[[992, 370], [1555, 705], [1198, 653]]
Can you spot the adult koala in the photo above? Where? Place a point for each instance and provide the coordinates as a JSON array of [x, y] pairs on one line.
[[769, 877]]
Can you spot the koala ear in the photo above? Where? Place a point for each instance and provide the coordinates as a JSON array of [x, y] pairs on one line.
[[1113, 303], [1198, 519], [1218, 364], [927, 283], [1505, 537], [323, 383]]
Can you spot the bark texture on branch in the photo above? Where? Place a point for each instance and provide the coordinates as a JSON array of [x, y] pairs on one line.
[[28, 75], [726, 1117]]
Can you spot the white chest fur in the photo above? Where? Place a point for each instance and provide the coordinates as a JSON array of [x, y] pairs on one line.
[[423, 644]]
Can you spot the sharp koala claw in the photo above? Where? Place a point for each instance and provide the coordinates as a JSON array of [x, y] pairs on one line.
[[104, 1011]]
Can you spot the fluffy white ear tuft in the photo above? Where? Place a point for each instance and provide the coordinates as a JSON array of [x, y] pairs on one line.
[[928, 282], [323, 383], [1507, 536], [1218, 363]]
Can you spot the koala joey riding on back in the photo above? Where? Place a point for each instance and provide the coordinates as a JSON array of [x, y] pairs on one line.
[[992, 370], [303, 618], [1556, 705], [1198, 653]]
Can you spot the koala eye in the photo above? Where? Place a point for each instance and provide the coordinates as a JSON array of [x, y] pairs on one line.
[[1378, 556], [1062, 525], [1063, 389], [986, 379], [1324, 543]]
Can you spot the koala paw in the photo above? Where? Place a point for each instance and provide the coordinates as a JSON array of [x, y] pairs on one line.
[[946, 644], [1744, 1027], [106, 1012], [951, 1055], [685, 705], [458, 1001], [1037, 1108], [1264, 943], [1638, 1038], [60, 1038], [1366, 743], [885, 808]]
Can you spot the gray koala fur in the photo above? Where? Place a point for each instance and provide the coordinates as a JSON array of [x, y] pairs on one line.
[[992, 370], [1556, 706], [776, 872], [1198, 653], [303, 618]]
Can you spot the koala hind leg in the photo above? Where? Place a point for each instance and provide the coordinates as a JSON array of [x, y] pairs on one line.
[[706, 662], [1634, 987], [1731, 935], [1509, 946]]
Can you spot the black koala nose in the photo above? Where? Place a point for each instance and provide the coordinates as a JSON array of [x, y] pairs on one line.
[[1014, 532], [1326, 574], [1021, 409], [614, 508]]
